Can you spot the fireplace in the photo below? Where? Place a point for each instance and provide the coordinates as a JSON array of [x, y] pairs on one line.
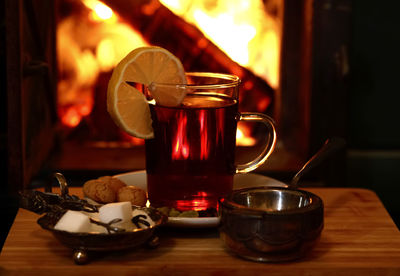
[[296, 73]]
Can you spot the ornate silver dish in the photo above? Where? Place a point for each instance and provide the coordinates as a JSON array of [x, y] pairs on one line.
[[54, 206], [83, 243]]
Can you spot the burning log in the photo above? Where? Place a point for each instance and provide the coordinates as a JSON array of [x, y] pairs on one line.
[[159, 26]]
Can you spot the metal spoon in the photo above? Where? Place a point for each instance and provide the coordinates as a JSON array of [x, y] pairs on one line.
[[331, 146]]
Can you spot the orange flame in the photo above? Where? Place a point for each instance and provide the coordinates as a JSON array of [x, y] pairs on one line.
[[240, 28], [100, 12], [243, 136], [87, 46]]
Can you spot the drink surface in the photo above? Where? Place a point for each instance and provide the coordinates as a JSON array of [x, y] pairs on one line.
[[190, 161]]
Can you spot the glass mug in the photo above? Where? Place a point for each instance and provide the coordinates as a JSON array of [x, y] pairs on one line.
[[190, 162]]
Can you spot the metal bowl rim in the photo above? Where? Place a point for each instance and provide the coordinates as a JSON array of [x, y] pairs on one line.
[[228, 203]]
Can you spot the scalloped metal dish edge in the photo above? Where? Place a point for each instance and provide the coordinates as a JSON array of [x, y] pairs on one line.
[[104, 241]]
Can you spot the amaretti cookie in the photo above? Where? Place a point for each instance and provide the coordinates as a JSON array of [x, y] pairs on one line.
[[108, 189], [99, 191], [133, 194]]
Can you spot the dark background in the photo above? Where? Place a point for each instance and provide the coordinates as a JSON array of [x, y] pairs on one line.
[[373, 108], [373, 159]]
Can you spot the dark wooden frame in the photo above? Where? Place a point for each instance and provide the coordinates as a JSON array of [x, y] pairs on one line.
[[31, 86]]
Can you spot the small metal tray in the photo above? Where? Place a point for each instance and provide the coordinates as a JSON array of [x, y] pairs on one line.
[[83, 243]]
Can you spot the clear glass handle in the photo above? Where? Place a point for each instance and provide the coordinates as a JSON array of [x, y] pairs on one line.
[[270, 145]]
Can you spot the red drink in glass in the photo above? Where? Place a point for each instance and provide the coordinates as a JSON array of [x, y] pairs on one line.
[[190, 162]]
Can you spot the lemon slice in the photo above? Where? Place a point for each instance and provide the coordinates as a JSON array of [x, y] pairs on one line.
[[127, 106]]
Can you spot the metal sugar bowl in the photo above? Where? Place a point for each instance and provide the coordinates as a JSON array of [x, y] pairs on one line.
[[275, 224], [271, 224]]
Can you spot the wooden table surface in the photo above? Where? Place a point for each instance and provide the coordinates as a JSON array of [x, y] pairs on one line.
[[359, 238]]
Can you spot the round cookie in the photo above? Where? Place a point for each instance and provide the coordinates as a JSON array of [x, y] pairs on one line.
[[133, 194], [100, 191], [115, 183]]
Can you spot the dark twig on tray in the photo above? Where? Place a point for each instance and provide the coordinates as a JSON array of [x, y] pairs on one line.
[[39, 202], [140, 219], [108, 225]]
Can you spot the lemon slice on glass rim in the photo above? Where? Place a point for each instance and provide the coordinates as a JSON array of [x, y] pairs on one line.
[[128, 106]]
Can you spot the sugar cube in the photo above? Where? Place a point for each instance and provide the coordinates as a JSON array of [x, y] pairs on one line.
[[121, 210], [73, 221]]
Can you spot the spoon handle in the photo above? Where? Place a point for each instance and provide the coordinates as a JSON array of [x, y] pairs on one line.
[[331, 146]]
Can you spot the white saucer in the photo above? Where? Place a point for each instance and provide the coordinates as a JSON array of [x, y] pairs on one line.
[[138, 179]]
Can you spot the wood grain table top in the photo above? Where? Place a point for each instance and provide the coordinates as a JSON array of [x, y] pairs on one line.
[[359, 238]]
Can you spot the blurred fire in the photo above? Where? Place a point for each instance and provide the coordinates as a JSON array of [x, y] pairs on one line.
[[88, 43], [244, 137], [241, 28], [95, 39]]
